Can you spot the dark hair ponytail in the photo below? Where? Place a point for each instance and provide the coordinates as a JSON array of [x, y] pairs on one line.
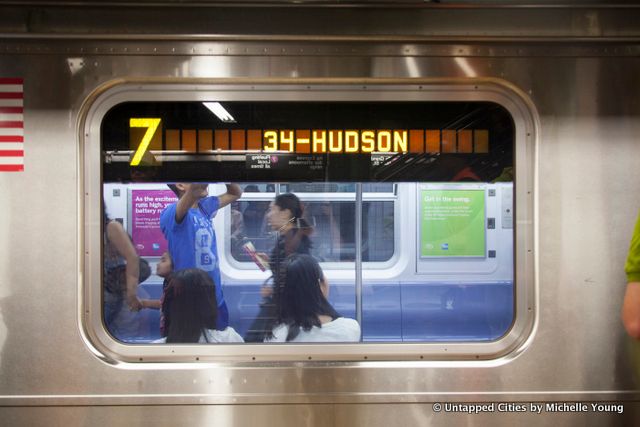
[[299, 240], [292, 202]]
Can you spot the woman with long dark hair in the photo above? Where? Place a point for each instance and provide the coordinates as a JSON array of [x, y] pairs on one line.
[[285, 217], [304, 313], [190, 310]]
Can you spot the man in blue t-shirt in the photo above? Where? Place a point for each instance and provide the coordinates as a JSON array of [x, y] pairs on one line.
[[188, 228]]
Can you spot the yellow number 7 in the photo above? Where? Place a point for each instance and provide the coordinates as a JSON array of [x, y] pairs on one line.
[[152, 126]]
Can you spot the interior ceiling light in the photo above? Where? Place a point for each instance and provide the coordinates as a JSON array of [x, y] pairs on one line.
[[217, 109]]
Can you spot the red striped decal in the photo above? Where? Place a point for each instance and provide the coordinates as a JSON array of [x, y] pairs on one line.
[[11, 110], [10, 95], [11, 168], [10, 81], [11, 125], [11, 138], [11, 153]]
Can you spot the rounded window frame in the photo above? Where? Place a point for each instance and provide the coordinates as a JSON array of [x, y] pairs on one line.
[[526, 123]]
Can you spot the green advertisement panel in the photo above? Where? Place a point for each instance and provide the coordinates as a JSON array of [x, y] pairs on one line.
[[452, 223]]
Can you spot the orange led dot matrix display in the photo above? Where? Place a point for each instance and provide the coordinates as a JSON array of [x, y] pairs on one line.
[[148, 134]]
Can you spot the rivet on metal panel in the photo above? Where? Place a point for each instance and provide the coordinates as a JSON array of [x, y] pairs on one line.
[[155, 49], [366, 357], [420, 87], [173, 49], [283, 50], [126, 49]]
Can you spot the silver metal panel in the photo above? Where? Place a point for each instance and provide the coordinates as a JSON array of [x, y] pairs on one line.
[[320, 22], [344, 415], [586, 198]]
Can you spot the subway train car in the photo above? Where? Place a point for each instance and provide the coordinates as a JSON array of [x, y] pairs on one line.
[[468, 181]]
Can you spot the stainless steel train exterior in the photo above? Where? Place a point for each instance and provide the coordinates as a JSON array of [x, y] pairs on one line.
[[568, 74]]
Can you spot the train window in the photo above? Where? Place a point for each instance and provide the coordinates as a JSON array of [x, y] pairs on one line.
[[407, 208], [330, 220]]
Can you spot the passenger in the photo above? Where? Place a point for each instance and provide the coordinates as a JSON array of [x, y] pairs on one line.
[[237, 227], [292, 232], [190, 310], [631, 304], [328, 242], [304, 314], [164, 268], [188, 228], [254, 214], [122, 273]]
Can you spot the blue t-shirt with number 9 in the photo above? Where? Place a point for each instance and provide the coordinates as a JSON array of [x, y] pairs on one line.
[[192, 244]]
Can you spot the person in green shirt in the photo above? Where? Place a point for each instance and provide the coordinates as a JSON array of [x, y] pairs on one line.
[[631, 304]]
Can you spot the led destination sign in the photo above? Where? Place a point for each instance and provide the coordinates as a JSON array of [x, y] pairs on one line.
[[336, 141], [148, 134]]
